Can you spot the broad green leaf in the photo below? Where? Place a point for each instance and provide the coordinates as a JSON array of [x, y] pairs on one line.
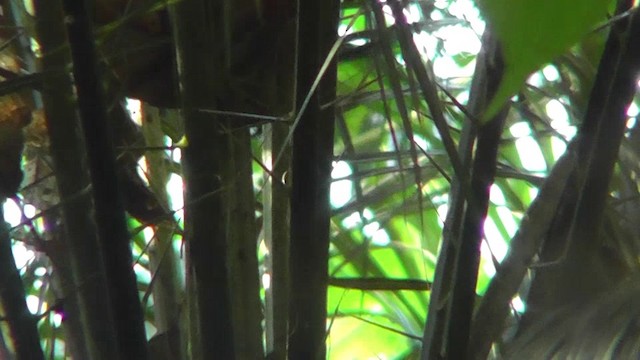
[[534, 32], [463, 59]]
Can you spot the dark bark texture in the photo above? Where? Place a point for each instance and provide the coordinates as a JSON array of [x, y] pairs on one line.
[[311, 178], [23, 326], [109, 210]]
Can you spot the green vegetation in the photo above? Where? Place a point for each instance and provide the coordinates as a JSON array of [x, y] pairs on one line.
[[355, 179]]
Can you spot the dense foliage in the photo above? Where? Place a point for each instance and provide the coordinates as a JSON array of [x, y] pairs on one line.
[[319, 179]]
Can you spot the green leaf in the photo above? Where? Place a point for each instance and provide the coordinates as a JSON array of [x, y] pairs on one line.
[[534, 32], [463, 59]]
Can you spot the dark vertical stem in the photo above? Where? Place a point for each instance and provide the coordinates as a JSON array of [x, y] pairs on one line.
[[276, 232], [4, 350], [311, 174], [80, 269], [243, 259], [482, 176], [276, 200], [453, 294], [23, 326], [466, 276], [109, 211], [198, 32], [17, 17]]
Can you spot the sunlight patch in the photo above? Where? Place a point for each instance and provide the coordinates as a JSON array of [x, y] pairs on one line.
[[22, 255], [351, 221], [436, 15], [143, 275], [442, 213], [558, 113], [633, 111], [141, 169], [381, 238], [12, 213], [509, 223], [57, 319], [558, 147], [29, 210], [413, 14], [377, 235], [40, 271], [421, 142], [496, 196], [266, 281], [445, 67], [496, 244], [520, 129], [34, 304], [460, 39], [149, 234], [355, 219], [341, 190], [176, 154], [175, 190], [518, 304], [134, 107], [486, 263], [531, 155], [551, 73], [536, 79], [37, 284], [463, 96]]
